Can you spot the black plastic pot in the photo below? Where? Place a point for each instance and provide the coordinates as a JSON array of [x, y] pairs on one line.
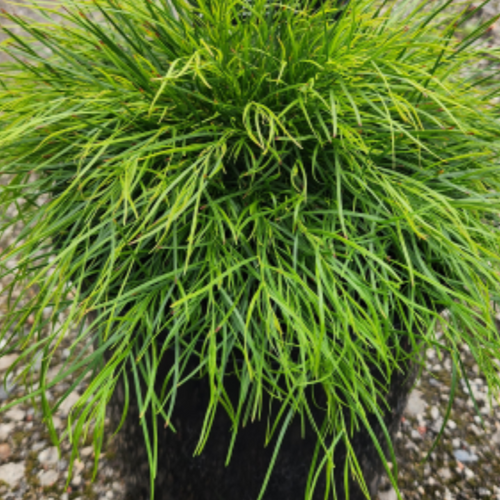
[[205, 477]]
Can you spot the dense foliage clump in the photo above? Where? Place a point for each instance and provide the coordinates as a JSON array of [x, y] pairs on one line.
[[286, 191]]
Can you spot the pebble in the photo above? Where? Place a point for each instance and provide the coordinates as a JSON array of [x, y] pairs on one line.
[[68, 403], [495, 439], [12, 473], [445, 474], [476, 430], [483, 492], [76, 481], [410, 445], [7, 361], [5, 431], [53, 372], [437, 424], [37, 362], [57, 422], [87, 451], [416, 405], [48, 477], [5, 452], [464, 456], [448, 495], [434, 413], [38, 446], [385, 495], [50, 456], [415, 434], [3, 393], [78, 466], [117, 486], [451, 424], [6, 387], [468, 474], [15, 414]]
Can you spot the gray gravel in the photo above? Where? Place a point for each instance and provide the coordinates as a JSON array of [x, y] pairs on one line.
[[464, 465]]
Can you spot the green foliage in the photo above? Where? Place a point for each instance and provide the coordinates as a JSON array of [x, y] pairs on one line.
[[289, 193]]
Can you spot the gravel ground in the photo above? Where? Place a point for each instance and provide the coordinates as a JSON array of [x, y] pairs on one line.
[[464, 465]]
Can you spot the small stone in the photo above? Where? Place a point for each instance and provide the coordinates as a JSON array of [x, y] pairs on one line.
[[50, 456], [7, 361], [15, 414], [416, 405], [3, 393], [76, 481], [484, 492], [6, 387], [78, 466], [53, 372], [117, 486], [464, 456], [415, 434], [110, 495], [448, 495], [5, 431], [38, 446], [451, 424], [445, 474], [434, 413], [48, 478], [62, 465], [455, 442], [437, 424], [383, 495], [57, 422], [87, 451], [12, 473], [468, 474], [410, 445], [434, 383], [68, 404], [495, 439], [476, 430], [36, 362], [5, 452]]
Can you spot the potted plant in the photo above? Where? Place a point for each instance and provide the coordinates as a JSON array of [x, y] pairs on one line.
[[263, 208]]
